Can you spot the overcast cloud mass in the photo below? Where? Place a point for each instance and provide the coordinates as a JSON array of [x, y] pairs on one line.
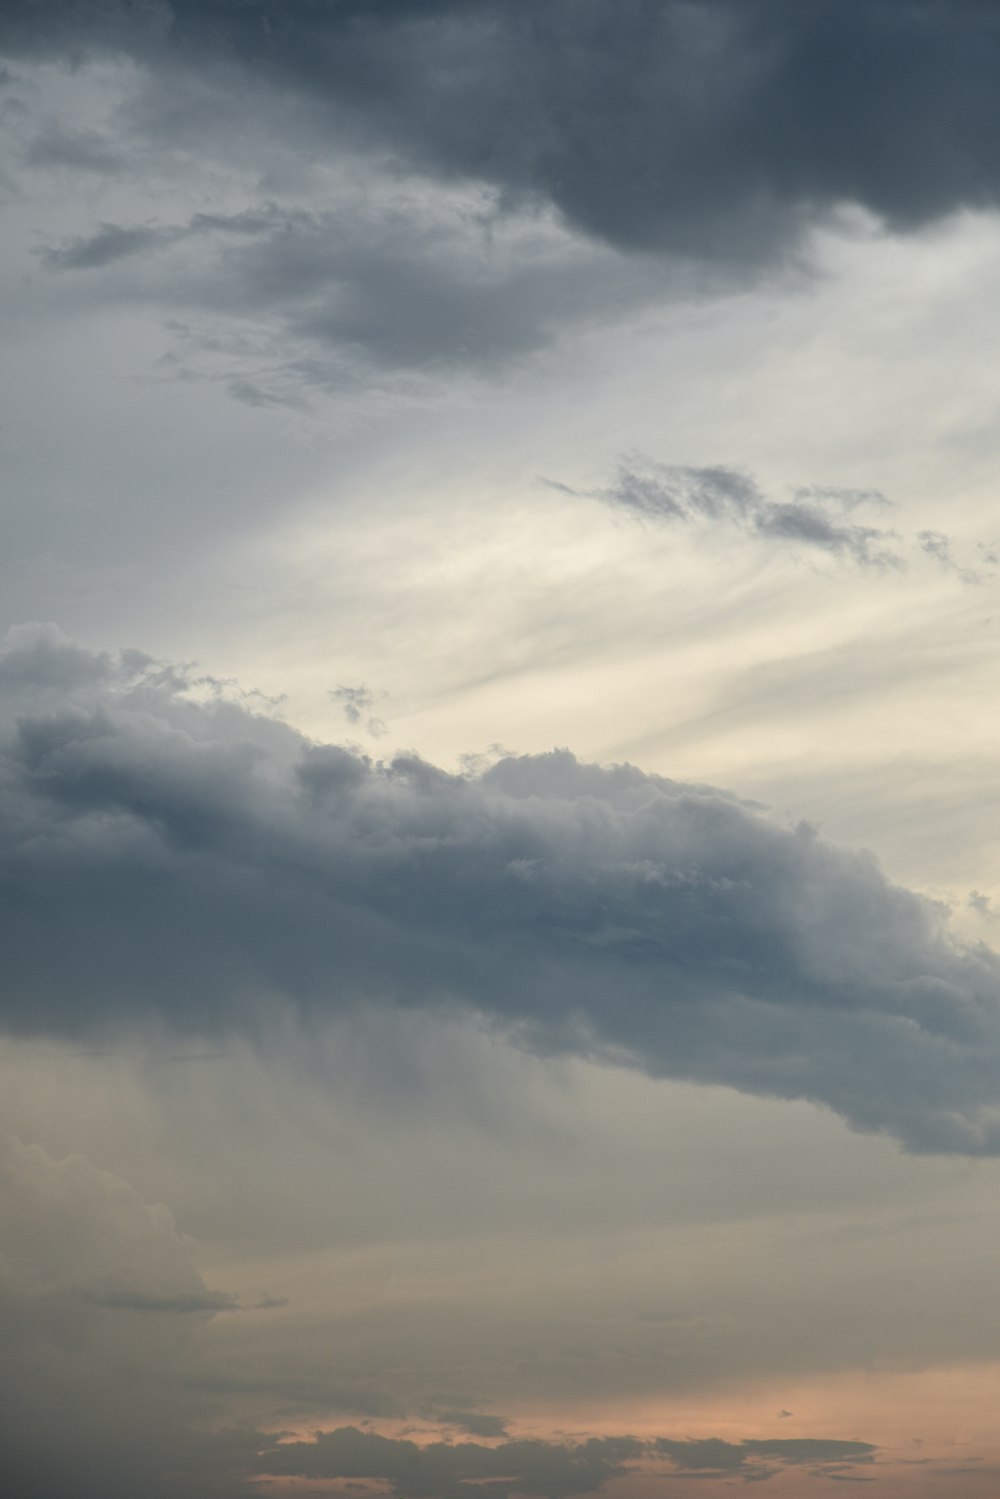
[[497, 750]]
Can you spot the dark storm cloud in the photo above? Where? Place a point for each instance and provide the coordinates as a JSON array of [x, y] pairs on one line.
[[713, 127], [814, 517], [170, 856]]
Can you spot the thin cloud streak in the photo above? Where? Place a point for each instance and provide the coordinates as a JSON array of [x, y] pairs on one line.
[[816, 518]]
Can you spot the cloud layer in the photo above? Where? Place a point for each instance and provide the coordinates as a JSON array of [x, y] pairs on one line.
[[715, 128], [174, 858], [441, 1470]]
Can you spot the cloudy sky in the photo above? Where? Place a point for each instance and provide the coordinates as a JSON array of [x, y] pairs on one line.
[[500, 591]]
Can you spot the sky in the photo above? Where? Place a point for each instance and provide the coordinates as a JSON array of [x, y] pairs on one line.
[[499, 587]]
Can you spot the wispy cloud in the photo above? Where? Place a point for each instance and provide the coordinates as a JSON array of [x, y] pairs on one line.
[[813, 518]]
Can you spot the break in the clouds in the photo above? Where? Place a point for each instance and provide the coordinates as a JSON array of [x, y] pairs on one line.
[[714, 129], [172, 857]]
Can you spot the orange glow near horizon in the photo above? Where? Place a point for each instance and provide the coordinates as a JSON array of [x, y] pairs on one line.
[[936, 1432]]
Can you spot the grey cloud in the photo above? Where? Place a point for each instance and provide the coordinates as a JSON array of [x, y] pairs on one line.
[[846, 499], [713, 128], [814, 517], [354, 701], [937, 545], [356, 704], [808, 524], [192, 862], [476, 1423], [442, 1470], [717, 1456], [406, 284], [253, 394], [79, 150], [445, 1470], [111, 243]]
